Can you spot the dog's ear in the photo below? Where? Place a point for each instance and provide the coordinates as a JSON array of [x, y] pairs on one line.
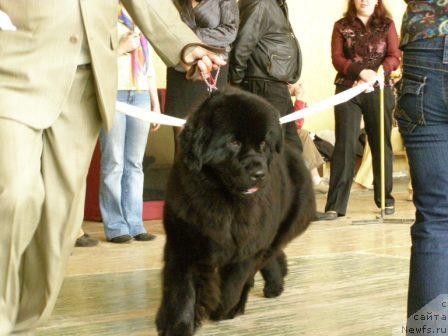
[[193, 141], [278, 138]]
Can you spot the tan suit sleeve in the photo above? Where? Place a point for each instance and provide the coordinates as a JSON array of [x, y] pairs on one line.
[[160, 22]]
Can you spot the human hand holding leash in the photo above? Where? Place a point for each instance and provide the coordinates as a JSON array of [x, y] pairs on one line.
[[200, 59], [155, 109]]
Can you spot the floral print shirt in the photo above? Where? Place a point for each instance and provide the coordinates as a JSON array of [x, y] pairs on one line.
[[424, 19], [355, 47]]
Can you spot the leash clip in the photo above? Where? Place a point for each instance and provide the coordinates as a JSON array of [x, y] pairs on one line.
[[210, 81]]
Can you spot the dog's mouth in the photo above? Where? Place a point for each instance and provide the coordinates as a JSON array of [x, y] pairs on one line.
[[251, 191]]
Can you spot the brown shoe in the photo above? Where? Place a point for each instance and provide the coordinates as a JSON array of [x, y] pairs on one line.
[[86, 241]]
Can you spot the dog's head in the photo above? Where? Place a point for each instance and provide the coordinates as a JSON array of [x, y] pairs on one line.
[[234, 136]]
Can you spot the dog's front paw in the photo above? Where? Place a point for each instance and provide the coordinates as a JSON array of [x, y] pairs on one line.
[[170, 327], [272, 290], [220, 314], [236, 311]]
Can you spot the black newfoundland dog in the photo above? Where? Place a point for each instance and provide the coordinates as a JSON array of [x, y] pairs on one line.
[[236, 196]]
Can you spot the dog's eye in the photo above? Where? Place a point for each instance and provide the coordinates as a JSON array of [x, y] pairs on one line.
[[263, 145], [235, 144]]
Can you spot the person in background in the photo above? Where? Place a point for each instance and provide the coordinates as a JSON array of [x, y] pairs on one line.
[[215, 22], [58, 73], [266, 58], [123, 147], [311, 155], [363, 40], [313, 161], [422, 117], [85, 240]]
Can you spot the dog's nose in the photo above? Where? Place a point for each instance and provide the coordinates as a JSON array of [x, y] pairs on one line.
[[258, 175]]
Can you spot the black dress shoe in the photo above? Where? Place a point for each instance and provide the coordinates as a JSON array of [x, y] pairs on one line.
[[390, 210], [121, 239], [327, 215], [145, 237], [86, 241]]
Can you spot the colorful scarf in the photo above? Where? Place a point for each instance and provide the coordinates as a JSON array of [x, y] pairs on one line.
[[139, 56]]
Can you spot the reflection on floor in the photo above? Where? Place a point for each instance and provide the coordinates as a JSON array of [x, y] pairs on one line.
[[344, 280]]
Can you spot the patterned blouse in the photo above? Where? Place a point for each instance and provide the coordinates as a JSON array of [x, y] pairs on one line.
[[424, 19], [354, 47]]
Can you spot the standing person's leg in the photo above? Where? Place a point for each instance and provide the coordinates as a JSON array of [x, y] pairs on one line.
[[371, 113], [84, 240], [112, 165], [347, 122], [21, 199], [278, 95], [422, 117], [133, 178], [67, 151]]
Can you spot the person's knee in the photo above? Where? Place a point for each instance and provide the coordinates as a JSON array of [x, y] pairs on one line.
[[112, 166], [20, 192]]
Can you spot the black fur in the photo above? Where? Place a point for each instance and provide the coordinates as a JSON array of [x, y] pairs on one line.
[[236, 196]]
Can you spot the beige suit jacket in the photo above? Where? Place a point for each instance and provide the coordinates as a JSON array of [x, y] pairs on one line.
[[38, 61]]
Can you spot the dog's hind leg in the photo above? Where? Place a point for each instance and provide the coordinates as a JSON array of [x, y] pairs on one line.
[[176, 315], [273, 272], [236, 282]]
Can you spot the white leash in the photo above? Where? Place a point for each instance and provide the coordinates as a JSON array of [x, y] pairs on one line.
[[323, 105], [145, 115], [340, 98]]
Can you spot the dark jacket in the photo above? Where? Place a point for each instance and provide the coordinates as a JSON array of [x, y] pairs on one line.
[[265, 47], [215, 22]]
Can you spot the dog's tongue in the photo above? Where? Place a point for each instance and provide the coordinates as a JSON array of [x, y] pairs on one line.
[[251, 191]]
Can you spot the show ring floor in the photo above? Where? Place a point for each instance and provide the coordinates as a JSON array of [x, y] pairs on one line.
[[343, 280]]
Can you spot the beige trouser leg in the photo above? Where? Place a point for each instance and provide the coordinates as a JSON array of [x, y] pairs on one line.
[[80, 233], [45, 209], [21, 199]]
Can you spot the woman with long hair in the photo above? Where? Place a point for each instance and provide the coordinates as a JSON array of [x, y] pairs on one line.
[[123, 147], [363, 40]]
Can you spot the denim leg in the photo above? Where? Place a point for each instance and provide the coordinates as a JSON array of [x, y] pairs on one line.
[[112, 163], [422, 116], [133, 178]]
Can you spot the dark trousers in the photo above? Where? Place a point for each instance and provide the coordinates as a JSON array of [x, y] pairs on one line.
[[348, 119], [277, 94], [422, 117]]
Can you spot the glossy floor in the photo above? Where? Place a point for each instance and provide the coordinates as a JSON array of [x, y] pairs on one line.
[[344, 279]]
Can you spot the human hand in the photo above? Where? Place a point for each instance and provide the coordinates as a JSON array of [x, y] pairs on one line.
[[128, 42], [368, 76], [199, 62], [296, 90], [360, 82], [155, 127]]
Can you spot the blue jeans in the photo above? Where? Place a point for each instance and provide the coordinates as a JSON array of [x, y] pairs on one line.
[[422, 116], [121, 184]]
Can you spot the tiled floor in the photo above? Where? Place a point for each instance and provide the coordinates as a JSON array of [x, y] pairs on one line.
[[344, 280]]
